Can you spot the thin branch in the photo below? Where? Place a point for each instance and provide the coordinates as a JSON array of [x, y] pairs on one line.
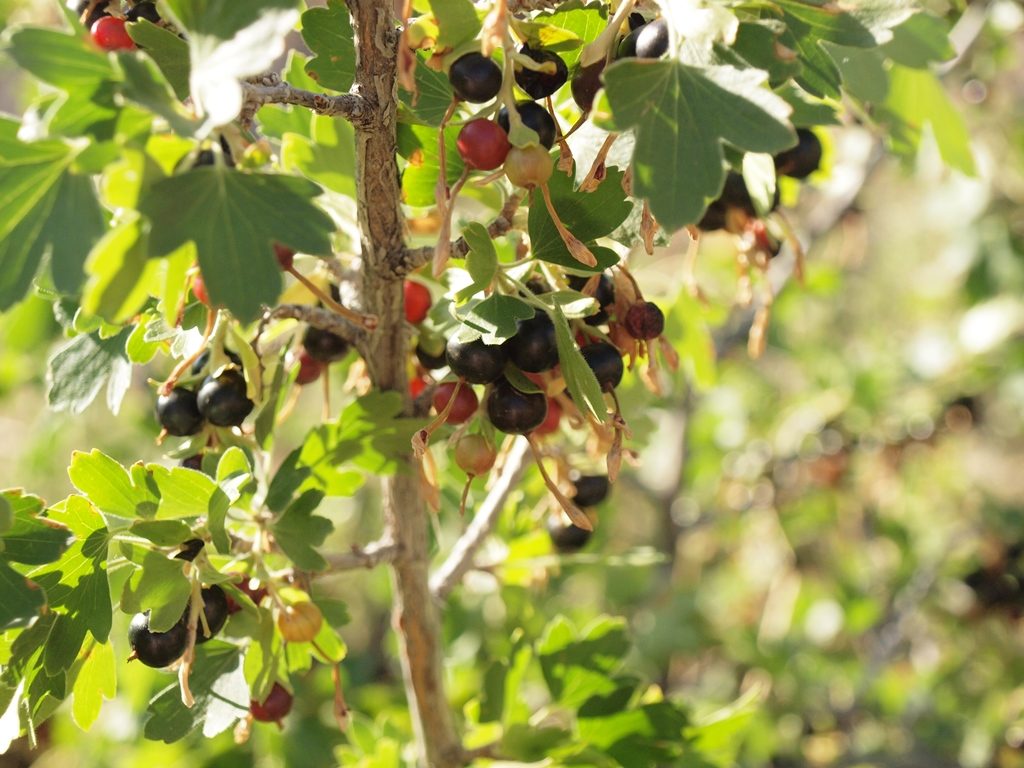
[[460, 559], [376, 552], [414, 258], [318, 317], [272, 90]]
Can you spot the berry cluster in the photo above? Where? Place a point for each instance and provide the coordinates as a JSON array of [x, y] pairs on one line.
[[220, 400], [106, 20]]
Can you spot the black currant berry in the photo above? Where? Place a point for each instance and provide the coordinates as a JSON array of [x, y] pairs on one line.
[[430, 358], [591, 490], [606, 363], [202, 361], [533, 116], [539, 85], [585, 84], [627, 46], [193, 462], [178, 412], [515, 412], [604, 295], [190, 549], [644, 321], [156, 649], [803, 159], [652, 40], [533, 349], [476, 362], [567, 538], [734, 195], [222, 400], [143, 10], [475, 78], [215, 609], [713, 218], [323, 345], [636, 20]]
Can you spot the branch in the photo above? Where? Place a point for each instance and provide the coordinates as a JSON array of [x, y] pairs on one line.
[[460, 559], [318, 317], [414, 258], [376, 552], [270, 89]]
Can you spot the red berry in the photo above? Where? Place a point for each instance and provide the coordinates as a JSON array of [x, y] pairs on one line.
[[475, 455], [465, 401], [550, 423], [309, 369], [285, 256], [199, 288], [483, 144], [109, 33], [253, 589], [644, 321], [417, 301], [416, 386], [274, 708]]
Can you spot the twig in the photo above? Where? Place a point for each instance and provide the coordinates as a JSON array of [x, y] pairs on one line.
[[414, 258], [374, 553], [272, 90], [460, 559], [321, 318]]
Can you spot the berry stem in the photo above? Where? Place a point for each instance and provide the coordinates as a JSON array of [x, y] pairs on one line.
[[443, 248], [213, 323], [579, 251], [369, 322]]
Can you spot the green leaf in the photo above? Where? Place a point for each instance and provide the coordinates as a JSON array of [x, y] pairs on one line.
[[186, 493], [169, 52], [34, 540], [759, 178], [107, 485], [496, 317], [233, 219], [575, 664], [863, 71], [481, 261], [76, 221], [682, 115], [329, 35], [328, 157], [158, 585], [120, 272], [96, 681], [163, 533], [418, 145], [587, 215], [920, 41], [22, 599], [759, 44], [221, 694], [916, 98], [807, 110], [145, 85], [298, 531], [456, 20], [433, 94], [6, 513], [579, 378], [568, 29], [67, 61], [229, 41], [79, 369]]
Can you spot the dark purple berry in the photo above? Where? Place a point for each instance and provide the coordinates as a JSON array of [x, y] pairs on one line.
[[533, 116], [323, 345], [476, 362], [223, 401], [606, 362], [515, 412], [534, 349], [644, 321], [156, 649], [178, 412], [475, 78], [540, 85], [803, 159]]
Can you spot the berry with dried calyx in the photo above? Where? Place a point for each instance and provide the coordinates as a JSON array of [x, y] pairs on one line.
[[178, 412], [591, 490], [567, 537], [417, 301], [533, 349], [465, 404], [474, 361], [528, 167], [483, 144], [156, 649], [323, 345], [803, 159], [475, 455], [285, 256], [222, 399], [274, 708], [535, 117], [515, 412], [430, 351], [109, 33], [190, 549], [475, 78], [585, 84], [606, 362], [540, 85], [644, 321]]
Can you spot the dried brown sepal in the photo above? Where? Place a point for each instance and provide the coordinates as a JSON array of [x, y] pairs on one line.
[[184, 365], [243, 730], [648, 228], [669, 353], [598, 169], [428, 481], [578, 517], [790, 236], [495, 27], [690, 266], [341, 710], [627, 182], [195, 609], [369, 322], [579, 251]]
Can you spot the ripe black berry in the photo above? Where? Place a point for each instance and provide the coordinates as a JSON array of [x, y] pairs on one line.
[[431, 353], [652, 40], [222, 400], [636, 20], [604, 295], [178, 412], [215, 609], [533, 349], [193, 462], [323, 345], [144, 10], [515, 412], [204, 359], [567, 538], [156, 649], [533, 116], [476, 362], [541, 84], [190, 549], [591, 490], [585, 85], [627, 46], [606, 363], [803, 159], [644, 321], [475, 78]]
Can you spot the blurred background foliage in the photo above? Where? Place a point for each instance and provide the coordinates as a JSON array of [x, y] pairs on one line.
[[820, 551]]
